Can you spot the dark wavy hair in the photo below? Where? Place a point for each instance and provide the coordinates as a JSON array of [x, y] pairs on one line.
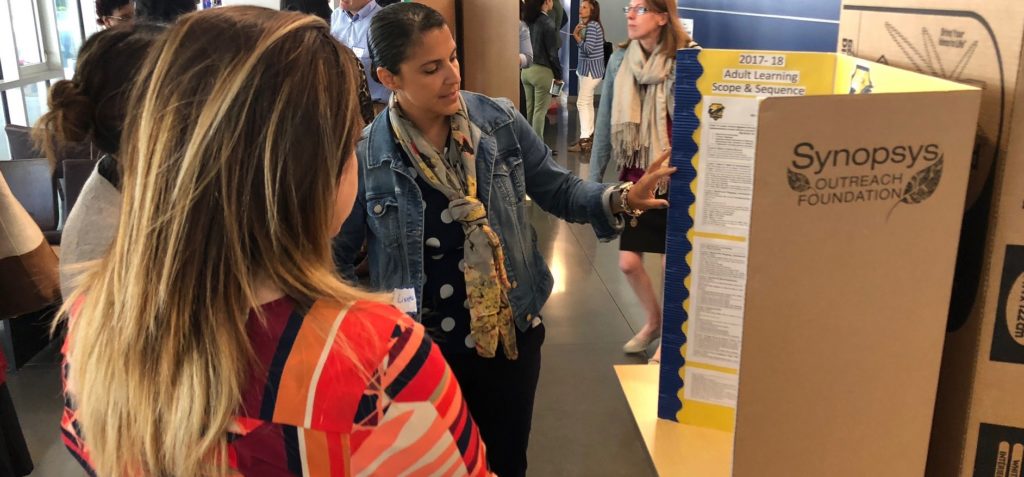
[[91, 105]]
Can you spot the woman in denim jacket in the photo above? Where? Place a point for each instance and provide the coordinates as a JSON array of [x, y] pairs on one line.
[[443, 177]]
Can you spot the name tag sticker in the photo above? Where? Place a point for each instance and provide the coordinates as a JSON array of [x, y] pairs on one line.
[[360, 52], [405, 300]]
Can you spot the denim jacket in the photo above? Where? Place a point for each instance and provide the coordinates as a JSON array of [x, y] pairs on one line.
[[601, 150], [511, 162]]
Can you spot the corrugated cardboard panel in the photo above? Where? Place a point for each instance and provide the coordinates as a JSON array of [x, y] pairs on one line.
[[977, 42], [846, 300]]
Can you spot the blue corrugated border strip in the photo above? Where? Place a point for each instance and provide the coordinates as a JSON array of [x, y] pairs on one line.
[[684, 124]]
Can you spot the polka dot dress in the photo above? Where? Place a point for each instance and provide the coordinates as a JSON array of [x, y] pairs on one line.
[[445, 310]]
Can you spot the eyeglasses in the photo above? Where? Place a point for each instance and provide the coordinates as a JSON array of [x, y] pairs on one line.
[[639, 10], [119, 19]]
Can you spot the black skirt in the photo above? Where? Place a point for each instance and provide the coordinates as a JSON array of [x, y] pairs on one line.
[[649, 234]]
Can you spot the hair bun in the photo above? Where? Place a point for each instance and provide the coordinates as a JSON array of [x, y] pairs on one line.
[[72, 111]]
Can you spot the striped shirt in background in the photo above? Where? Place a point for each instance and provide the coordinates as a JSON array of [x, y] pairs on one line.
[[342, 391], [591, 62]]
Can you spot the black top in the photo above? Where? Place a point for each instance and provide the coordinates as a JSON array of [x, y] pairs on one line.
[[544, 37], [445, 313], [107, 168]]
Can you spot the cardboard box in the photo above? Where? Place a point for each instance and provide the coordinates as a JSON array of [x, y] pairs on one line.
[[979, 416], [811, 249]]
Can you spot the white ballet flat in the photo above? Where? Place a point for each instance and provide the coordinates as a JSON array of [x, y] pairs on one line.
[[639, 345]]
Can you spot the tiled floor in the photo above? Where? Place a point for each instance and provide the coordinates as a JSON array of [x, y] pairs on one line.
[[582, 425]]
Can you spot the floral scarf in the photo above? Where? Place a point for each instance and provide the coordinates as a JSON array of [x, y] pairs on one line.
[[454, 175]]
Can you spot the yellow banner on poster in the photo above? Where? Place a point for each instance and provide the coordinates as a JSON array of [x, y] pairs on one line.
[[765, 73]]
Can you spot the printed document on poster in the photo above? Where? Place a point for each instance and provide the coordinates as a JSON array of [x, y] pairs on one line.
[[725, 176], [711, 386], [718, 289]]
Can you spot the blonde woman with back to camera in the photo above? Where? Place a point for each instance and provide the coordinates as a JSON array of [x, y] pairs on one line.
[[216, 338]]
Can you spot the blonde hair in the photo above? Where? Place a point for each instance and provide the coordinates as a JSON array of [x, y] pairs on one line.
[[673, 36], [239, 125]]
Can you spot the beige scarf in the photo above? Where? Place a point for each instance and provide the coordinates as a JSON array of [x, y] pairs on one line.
[[643, 106], [454, 175]]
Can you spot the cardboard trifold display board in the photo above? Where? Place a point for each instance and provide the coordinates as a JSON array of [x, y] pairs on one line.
[[979, 414], [811, 246]]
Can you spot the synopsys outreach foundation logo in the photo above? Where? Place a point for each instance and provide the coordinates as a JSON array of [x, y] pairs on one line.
[[901, 174]]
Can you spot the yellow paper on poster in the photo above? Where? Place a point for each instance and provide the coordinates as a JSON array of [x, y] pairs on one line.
[[857, 76]]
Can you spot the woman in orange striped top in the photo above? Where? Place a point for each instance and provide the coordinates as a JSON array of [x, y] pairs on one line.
[[215, 338]]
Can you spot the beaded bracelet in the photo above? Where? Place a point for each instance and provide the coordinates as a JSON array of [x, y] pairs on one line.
[[624, 204]]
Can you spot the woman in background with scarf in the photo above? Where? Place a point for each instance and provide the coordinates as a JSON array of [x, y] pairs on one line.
[[634, 124], [443, 178]]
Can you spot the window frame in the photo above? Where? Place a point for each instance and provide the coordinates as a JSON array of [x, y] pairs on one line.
[[14, 77]]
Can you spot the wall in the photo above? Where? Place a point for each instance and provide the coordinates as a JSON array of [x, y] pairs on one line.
[[795, 25], [612, 19]]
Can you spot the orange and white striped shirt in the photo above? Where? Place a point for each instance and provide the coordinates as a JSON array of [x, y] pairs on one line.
[[337, 391]]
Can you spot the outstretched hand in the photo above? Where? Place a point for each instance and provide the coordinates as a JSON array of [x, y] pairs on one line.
[[641, 195]]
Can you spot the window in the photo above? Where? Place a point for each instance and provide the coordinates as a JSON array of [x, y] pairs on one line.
[[69, 23], [39, 42], [25, 20], [35, 96]]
